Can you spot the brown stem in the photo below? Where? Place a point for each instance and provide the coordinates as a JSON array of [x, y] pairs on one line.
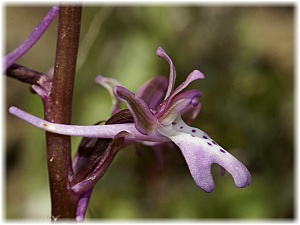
[[24, 74], [58, 109]]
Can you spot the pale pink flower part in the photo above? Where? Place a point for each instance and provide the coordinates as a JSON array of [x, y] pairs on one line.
[[158, 119]]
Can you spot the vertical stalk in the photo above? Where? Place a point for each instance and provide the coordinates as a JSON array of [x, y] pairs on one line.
[[58, 109]]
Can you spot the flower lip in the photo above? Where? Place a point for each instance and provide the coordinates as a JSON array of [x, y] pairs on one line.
[[200, 152]]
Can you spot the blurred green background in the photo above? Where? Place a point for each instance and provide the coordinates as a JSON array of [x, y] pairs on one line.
[[247, 55]]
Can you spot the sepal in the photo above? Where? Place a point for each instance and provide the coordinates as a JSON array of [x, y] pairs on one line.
[[144, 119]]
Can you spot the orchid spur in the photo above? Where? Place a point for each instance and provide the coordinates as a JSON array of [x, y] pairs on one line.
[[158, 118]]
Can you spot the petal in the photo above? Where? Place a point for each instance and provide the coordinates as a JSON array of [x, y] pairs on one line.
[[89, 159], [123, 116], [84, 152], [153, 91], [190, 113], [200, 152], [195, 75], [161, 53], [98, 131], [83, 205], [106, 159], [145, 121], [32, 39], [177, 105], [91, 148], [110, 84]]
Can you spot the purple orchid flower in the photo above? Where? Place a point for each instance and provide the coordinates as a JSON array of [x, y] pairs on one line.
[[159, 118]]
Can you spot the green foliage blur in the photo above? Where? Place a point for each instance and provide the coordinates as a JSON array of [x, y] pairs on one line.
[[247, 56]]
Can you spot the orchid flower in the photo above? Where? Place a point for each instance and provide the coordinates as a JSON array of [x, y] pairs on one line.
[[158, 118]]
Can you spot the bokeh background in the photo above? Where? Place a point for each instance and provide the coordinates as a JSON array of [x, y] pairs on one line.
[[247, 54]]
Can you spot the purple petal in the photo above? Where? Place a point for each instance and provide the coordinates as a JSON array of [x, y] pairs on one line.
[[145, 121], [177, 105], [123, 116], [161, 53], [36, 34], [83, 205], [200, 152], [195, 75], [110, 84], [106, 159], [153, 91], [95, 131], [83, 153], [190, 113]]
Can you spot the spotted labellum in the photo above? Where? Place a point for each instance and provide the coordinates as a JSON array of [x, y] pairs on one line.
[[160, 114]]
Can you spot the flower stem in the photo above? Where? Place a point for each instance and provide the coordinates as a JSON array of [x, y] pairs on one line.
[[58, 109]]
